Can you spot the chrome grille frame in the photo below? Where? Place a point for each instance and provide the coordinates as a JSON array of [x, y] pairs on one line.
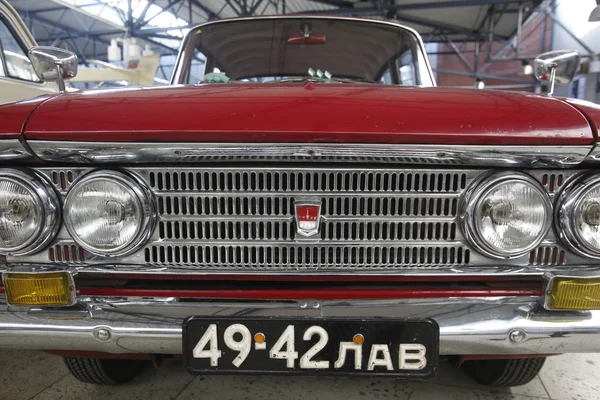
[[243, 219], [386, 220]]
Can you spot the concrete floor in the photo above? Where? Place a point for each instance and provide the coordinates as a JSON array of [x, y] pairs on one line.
[[35, 375]]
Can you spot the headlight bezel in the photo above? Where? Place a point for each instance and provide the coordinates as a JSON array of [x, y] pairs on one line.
[[478, 190], [46, 200], [567, 204], [144, 197]]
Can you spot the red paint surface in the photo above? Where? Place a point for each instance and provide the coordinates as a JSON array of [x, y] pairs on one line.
[[499, 279], [307, 213], [14, 115], [310, 112], [591, 112], [316, 294]]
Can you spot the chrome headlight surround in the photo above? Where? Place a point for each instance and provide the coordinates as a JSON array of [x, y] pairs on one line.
[[143, 196], [48, 204], [471, 202], [568, 210]]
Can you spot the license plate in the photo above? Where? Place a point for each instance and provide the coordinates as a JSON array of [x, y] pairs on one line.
[[273, 345]]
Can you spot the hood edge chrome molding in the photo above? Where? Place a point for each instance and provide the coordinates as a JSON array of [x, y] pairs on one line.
[[461, 155]]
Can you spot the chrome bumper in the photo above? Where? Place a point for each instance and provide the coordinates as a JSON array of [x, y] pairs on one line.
[[515, 325]]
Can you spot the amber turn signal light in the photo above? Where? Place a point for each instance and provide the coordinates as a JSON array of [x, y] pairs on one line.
[[39, 289], [574, 294]]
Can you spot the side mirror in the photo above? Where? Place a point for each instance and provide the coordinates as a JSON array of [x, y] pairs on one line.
[[556, 66], [53, 64]]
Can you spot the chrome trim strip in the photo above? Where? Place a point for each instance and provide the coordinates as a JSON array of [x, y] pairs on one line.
[[497, 270], [465, 155], [594, 155], [13, 150], [154, 325]]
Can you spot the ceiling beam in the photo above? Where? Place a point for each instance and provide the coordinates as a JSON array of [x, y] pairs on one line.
[[335, 3], [142, 16], [210, 13], [459, 3], [89, 14], [344, 7], [427, 6], [50, 24]]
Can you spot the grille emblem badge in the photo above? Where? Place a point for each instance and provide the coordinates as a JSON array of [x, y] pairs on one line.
[[308, 218]]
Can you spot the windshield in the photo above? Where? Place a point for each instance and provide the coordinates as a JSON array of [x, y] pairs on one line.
[[291, 48]]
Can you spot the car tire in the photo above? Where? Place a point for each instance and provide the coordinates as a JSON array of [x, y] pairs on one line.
[[100, 371], [504, 372]]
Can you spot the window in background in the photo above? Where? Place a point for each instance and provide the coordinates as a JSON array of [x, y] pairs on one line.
[[16, 62]]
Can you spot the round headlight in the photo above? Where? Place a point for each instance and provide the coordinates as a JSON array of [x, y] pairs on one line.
[[29, 212], [506, 215], [109, 213], [578, 216]]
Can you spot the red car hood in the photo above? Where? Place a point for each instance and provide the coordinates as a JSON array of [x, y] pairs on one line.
[[309, 112]]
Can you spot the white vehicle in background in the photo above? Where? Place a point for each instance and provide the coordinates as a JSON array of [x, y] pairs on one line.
[[140, 71], [18, 80]]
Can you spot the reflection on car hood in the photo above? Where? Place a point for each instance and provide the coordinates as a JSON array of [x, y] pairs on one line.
[[309, 112]]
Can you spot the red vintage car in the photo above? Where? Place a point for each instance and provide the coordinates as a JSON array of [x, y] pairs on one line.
[[302, 199]]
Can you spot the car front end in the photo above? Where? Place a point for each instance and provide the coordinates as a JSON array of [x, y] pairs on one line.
[[301, 225]]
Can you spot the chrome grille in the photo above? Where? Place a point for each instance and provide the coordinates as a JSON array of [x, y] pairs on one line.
[[273, 230], [553, 182], [547, 255], [66, 253], [388, 231], [221, 230], [244, 219], [307, 257], [234, 205], [306, 180], [241, 218]]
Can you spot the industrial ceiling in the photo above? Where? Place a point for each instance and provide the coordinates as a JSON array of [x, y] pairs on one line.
[[86, 26]]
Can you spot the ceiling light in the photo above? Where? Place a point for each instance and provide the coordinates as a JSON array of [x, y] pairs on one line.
[[526, 68]]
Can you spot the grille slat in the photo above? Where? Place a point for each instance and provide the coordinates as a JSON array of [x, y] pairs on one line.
[[547, 255], [552, 182], [238, 206], [297, 181], [306, 257], [66, 253]]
